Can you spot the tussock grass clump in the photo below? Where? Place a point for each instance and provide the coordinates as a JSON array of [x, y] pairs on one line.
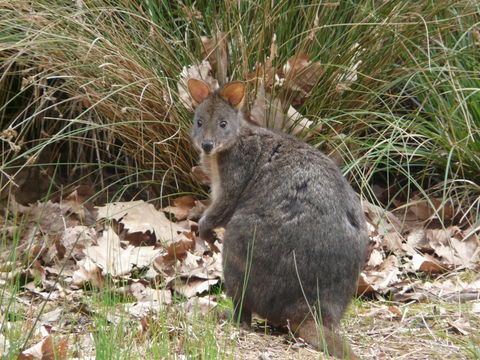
[[97, 100], [428, 144], [447, 102], [89, 89]]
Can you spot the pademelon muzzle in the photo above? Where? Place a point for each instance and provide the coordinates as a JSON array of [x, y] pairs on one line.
[[207, 146]]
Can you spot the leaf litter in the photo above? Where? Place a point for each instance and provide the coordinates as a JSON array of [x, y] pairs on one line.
[[405, 263], [59, 257]]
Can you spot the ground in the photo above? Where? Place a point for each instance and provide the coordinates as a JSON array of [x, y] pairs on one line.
[[112, 289]]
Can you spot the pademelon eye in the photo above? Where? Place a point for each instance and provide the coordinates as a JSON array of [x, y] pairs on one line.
[[199, 122], [223, 124]]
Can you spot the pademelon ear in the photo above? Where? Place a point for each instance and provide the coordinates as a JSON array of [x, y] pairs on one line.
[[198, 90], [233, 93]]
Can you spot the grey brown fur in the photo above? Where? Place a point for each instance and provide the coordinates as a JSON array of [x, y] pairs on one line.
[[295, 238]]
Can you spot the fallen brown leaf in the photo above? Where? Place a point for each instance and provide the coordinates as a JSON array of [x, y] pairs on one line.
[[194, 286], [88, 272], [186, 207], [453, 248], [384, 311], [216, 52], [181, 207], [301, 75], [202, 71], [384, 221], [144, 293], [199, 305], [178, 249], [268, 111], [381, 277], [265, 73], [427, 264], [47, 349], [139, 216], [79, 202], [116, 260]]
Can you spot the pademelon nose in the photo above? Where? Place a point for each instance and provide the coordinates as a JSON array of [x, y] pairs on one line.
[[207, 146]]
